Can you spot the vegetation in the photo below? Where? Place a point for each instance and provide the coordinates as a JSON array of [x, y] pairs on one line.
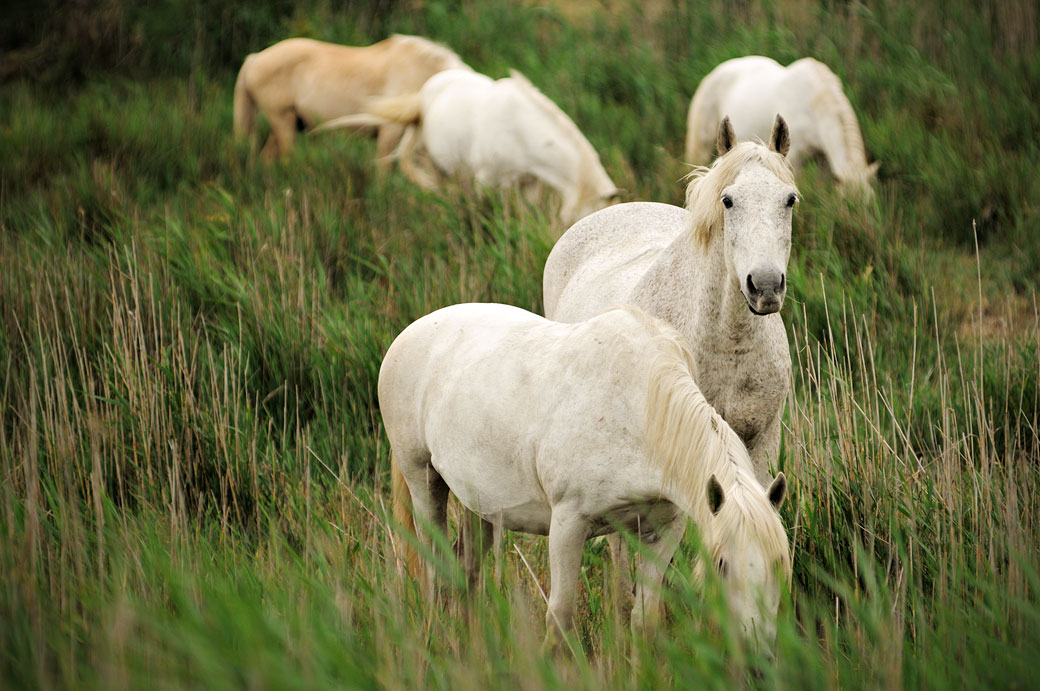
[[193, 468]]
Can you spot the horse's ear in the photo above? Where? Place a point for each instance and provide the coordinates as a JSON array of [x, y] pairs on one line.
[[780, 139], [716, 495], [777, 491], [727, 138]]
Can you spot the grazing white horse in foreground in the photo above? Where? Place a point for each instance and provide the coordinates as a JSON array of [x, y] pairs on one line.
[[752, 89], [298, 83], [570, 431], [716, 271], [500, 132]]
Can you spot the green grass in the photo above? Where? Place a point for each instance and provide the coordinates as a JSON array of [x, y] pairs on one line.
[[194, 473]]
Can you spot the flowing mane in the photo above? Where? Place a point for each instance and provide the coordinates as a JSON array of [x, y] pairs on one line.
[[707, 183], [692, 442]]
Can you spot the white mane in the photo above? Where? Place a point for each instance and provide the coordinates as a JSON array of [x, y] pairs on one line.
[[692, 442]]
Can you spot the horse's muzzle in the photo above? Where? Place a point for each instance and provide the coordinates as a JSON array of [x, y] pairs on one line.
[[764, 291]]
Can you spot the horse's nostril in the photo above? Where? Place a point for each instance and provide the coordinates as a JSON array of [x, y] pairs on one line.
[[750, 285], [783, 281]]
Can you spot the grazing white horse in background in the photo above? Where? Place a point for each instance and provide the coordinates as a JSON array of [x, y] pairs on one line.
[[752, 89], [500, 132], [716, 271], [570, 431], [298, 83]]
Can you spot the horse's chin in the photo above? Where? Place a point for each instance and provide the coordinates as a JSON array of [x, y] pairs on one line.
[[764, 312]]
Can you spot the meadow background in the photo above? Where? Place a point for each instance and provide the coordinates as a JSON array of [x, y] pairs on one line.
[[193, 473]]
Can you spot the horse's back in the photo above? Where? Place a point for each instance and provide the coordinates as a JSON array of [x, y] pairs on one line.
[[599, 261], [752, 90], [452, 100], [723, 92], [494, 129], [503, 403]]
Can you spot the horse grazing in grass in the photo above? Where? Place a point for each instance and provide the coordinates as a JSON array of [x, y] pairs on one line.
[[298, 83], [810, 97], [571, 430], [500, 132], [716, 271]]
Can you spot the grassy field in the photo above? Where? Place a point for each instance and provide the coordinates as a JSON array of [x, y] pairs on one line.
[[193, 473]]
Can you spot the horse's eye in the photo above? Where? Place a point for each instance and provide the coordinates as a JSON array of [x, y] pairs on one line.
[[727, 201], [722, 568], [791, 200]]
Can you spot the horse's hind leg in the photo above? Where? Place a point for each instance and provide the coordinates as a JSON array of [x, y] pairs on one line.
[[429, 506]]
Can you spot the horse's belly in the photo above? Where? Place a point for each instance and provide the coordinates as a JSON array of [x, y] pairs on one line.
[[499, 495]]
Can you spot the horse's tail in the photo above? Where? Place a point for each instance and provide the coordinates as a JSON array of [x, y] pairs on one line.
[[405, 109], [245, 106], [402, 501]]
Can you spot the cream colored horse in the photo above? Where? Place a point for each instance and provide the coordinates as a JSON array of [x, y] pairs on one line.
[[498, 132], [298, 83], [570, 430], [750, 90]]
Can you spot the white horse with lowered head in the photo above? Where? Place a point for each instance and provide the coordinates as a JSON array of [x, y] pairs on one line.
[[299, 82], [716, 271], [571, 430], [499, 132], [808, 94]]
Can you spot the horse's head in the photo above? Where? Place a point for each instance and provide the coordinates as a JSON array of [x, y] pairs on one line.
[[861, 181], [749, 549], [754, 193]]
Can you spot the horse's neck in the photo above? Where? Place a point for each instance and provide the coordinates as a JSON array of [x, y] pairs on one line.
[[577, 175], [560, 170], [690, 287], [841, 140]]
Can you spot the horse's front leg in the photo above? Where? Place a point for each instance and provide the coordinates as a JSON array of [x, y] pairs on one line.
[[568, 531], [620, 578], [475, 539], [650, 574]]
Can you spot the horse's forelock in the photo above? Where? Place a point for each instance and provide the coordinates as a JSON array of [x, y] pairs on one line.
[[707, 183]]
